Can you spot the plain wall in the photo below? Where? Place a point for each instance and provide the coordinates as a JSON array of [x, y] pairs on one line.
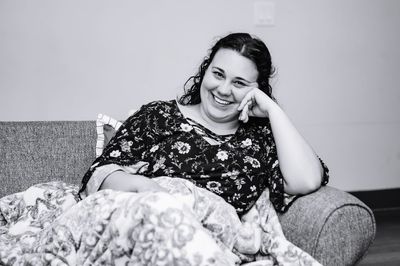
[[337, 67]]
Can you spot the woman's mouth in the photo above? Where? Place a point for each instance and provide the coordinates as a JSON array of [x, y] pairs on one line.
[[221, 101]]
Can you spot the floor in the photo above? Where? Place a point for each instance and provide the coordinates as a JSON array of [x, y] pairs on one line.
[[386, 248]]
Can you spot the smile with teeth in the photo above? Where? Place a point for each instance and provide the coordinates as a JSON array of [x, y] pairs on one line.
[[220, 101]]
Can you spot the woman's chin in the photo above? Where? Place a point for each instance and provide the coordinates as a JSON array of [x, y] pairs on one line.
[[224, 118]]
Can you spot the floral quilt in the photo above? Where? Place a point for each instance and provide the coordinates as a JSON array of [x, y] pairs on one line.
[[48, 225]]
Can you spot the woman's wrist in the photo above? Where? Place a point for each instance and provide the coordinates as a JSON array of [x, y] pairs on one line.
[[273, 109]]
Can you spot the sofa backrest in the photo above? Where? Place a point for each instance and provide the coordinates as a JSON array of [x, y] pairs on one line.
[[41, 151]]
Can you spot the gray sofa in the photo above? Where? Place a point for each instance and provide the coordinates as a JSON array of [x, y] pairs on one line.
[[331, 225]]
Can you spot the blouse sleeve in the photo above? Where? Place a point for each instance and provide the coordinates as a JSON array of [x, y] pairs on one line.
[[128, 144], [275, 181]]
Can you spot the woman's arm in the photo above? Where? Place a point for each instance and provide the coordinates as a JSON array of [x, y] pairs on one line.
[[122, 181], [298, 163], [300, 166]]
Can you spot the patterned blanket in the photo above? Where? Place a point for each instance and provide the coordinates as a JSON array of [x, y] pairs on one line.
[[47, 225]]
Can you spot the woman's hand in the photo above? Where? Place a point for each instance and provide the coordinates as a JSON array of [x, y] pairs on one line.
[[123, 181], [255, 103], [149, 185]]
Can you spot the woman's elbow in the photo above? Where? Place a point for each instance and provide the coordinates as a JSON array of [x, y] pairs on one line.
[[304, 185], [314, 184]]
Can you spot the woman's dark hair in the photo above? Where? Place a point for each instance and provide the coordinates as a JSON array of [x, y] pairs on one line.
[[243, 43]]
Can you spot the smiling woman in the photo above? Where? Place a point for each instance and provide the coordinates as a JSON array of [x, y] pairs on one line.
[[233, 85], [201, 136], [226, 134]]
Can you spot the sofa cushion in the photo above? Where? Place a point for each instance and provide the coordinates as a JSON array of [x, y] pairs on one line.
[[41, 151], [333, 226]]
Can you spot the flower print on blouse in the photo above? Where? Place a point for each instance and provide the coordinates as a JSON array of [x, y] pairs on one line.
[[237, 167]]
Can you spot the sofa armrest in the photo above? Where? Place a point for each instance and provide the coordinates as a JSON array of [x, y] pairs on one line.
[[331, 225]]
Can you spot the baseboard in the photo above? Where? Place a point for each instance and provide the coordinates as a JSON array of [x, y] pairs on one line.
[[379, 199]]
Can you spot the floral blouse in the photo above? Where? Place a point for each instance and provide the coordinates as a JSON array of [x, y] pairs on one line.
[[238, 168]]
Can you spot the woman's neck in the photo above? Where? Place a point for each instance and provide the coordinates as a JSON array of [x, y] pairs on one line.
[[195, 113]]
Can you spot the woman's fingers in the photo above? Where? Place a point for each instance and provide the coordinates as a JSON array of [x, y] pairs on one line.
[[242, 104], [248, 98], [244, 115], [254, 103]]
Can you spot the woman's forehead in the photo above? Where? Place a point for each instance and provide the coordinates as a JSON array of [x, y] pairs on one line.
[[234, 64]]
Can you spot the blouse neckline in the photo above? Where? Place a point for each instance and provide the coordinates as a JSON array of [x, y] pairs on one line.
[[207, 130]]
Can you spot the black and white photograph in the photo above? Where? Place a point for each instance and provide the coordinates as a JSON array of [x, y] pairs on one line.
[[200, 133]]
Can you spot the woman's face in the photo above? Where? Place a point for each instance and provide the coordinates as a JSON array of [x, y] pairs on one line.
[[228, 78]]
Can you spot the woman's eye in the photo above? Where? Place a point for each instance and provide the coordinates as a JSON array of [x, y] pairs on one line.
[[239, 84], [218, 74]]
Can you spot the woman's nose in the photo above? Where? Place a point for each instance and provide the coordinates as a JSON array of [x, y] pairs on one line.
[[224, 88]]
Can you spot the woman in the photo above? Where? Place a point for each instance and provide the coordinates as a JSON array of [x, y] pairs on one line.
[[225, 134], [201, 162]]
